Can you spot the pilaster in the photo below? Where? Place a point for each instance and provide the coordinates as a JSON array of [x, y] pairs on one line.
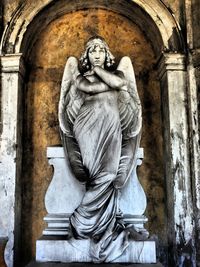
[[12, 73], [173, 78]]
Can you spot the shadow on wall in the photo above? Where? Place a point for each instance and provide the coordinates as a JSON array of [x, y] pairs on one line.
[[3, 241]]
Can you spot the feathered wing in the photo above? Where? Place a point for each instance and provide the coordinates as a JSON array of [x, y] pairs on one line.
[[131, 122], [71, 100], [129, 102]]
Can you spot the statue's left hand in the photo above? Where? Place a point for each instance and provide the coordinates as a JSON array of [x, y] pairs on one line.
[[90, 72]]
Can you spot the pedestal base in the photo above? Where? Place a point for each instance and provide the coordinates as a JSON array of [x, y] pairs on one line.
[[54, 250], [53, 264]]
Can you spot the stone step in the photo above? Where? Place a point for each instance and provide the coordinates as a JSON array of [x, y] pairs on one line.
[[53, 264]]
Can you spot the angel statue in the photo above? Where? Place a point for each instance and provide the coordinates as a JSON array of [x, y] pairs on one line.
[[100, 121]]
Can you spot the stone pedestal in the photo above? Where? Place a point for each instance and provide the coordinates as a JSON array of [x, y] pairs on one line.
[[65, 194], [53, 264], [58, 250]]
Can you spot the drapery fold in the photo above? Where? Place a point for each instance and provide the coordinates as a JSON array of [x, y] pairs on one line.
[[97, 130]]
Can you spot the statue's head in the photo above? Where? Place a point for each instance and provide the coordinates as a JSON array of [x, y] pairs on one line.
[[96, 53]]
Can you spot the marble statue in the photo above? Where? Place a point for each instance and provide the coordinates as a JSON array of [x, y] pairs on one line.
[[100, 120]]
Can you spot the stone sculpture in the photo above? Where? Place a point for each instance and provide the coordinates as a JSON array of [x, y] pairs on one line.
[[100, 121]]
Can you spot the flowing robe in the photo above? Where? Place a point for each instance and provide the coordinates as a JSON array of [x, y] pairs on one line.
[[97, 130], [100, 134]]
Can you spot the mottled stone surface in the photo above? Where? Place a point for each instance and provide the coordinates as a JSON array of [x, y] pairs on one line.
[[196, 23], [11, 5], [11, 154], [62, 38]]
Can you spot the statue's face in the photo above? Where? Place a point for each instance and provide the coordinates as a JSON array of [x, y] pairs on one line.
[[97, 55]]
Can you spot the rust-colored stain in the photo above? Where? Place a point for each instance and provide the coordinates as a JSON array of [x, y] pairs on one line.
[[64, 37]]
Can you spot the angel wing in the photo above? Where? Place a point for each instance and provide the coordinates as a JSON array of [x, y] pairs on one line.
[[129, 102], [131, 123], [71, 100]]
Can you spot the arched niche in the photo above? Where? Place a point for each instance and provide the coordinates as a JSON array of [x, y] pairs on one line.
[[152, 17], [162, 31], [63, 37]]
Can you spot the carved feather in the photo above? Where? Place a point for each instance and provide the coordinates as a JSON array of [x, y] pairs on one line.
[[71, 99], [129, 102]]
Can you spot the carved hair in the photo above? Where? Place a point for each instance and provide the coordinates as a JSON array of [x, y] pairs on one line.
[[92, 42]]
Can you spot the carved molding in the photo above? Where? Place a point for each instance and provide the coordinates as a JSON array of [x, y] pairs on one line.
[[165, 23], [171, 62], [13, 63]]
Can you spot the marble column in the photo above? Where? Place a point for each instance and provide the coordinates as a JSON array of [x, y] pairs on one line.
[[172, 72], [12, 73]]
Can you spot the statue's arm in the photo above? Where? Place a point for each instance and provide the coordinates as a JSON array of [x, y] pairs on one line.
[[113, 80], [89, 87]]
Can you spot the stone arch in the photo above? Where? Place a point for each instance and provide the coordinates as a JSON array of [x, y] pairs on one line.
[[162, 30], [29, 19]]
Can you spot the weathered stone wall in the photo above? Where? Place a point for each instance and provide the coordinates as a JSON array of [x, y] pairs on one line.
[[46, 64], [196, 22], [1, 32], [1, 19], [64, 37], [175, 6], [198, 210], [193, 40], [9, 8], [178, 9]]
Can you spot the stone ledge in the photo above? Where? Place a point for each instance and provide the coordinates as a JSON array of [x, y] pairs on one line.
[[52, 250], [53, 264]]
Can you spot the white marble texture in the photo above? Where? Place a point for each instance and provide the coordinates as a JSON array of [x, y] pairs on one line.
[[61, 205], [53, 246], [65, 192], [63, 251]]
